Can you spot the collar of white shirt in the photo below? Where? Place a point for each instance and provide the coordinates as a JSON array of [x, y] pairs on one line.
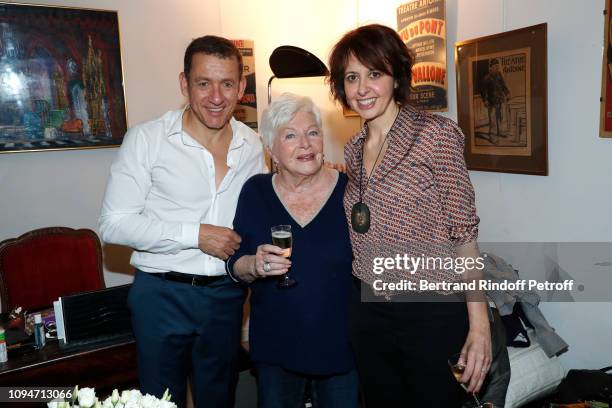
[[176, 128]]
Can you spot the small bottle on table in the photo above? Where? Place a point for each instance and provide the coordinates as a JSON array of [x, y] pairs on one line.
[[39, 332], [3, 352]]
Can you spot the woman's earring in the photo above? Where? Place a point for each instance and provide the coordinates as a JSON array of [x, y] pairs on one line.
[[395, 85]]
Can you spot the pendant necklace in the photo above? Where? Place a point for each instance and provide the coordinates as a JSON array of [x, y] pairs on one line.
[[360, 213]]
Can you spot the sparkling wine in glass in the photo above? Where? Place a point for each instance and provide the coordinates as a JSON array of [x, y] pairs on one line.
[[457, 368], [282, 238]]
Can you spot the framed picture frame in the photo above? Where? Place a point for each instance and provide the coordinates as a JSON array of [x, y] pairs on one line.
[[349, 113], [605, 122], [502, 101], [61, 79]]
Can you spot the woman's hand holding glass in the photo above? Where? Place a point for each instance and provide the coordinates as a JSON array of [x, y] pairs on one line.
[[269, 261], [477, 352]]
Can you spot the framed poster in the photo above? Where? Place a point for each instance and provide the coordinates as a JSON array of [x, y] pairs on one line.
[[422, 26], [349, 113], [502, 101], [605, 126], [61, 82], [246, 109]]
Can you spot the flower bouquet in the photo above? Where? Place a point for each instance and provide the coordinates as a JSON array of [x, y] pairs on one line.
[[86, 398]]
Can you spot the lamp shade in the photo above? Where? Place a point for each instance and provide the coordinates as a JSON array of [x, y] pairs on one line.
[[288, 61]]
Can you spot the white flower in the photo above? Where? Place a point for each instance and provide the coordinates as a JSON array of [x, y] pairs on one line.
[[132, 404], [166, 404], [87, 397], [167, 396], [135, 396], [130, 396], [52, 404], [115, 396], [149, 401], [125, 396]]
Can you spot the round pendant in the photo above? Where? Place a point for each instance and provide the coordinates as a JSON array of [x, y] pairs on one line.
[[360, 218]]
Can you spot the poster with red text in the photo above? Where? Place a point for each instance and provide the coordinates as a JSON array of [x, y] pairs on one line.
[[246, 109], [422, 26]]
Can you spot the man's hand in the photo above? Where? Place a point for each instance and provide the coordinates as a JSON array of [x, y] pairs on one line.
[[220, 242]]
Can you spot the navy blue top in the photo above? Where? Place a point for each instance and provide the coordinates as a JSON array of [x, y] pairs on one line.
[[303, 328]]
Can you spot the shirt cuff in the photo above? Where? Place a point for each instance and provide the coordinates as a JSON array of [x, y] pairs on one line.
[[190, 233], [464, 234]]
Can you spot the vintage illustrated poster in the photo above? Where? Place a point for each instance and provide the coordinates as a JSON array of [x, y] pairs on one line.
[[605, 128], [422, 26], [500, 95], [502, 100], [246, 110]]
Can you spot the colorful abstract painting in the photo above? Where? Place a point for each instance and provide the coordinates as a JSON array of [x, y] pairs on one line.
[[61, 81]]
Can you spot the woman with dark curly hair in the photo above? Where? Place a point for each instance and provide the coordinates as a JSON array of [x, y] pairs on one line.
[[408, 193]]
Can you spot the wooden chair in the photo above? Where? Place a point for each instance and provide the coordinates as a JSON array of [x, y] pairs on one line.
[[44, 264]]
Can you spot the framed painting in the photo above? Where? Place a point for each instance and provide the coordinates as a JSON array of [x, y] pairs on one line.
[[605, 125], [502, 101], [61, 80]]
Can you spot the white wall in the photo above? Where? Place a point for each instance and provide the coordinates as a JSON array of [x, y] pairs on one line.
[[65, 188], [312, 25], [571, 204]]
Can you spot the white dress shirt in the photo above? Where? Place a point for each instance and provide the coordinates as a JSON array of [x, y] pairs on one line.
[[162, 187]]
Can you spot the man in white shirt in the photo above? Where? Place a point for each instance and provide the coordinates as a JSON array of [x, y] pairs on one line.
[[172, 196]]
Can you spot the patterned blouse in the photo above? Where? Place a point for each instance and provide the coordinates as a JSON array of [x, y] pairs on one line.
[[420, 198]]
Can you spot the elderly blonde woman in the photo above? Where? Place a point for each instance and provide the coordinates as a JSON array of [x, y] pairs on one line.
[[297, 333]]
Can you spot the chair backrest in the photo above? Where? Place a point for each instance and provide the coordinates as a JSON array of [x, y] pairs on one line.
[[44, 264]]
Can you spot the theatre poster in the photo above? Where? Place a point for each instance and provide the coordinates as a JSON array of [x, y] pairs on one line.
[[246, 109], [422, 26]]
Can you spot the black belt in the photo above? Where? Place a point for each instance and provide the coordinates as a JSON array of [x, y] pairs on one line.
[[193, 280]]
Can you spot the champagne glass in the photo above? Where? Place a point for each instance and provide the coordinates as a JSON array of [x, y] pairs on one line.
[[457, 368], [282, 238]]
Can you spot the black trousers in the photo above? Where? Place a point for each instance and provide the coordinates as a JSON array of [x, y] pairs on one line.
[[402, 348]]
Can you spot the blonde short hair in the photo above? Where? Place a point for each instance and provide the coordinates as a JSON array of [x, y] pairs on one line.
[[281, 111]]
